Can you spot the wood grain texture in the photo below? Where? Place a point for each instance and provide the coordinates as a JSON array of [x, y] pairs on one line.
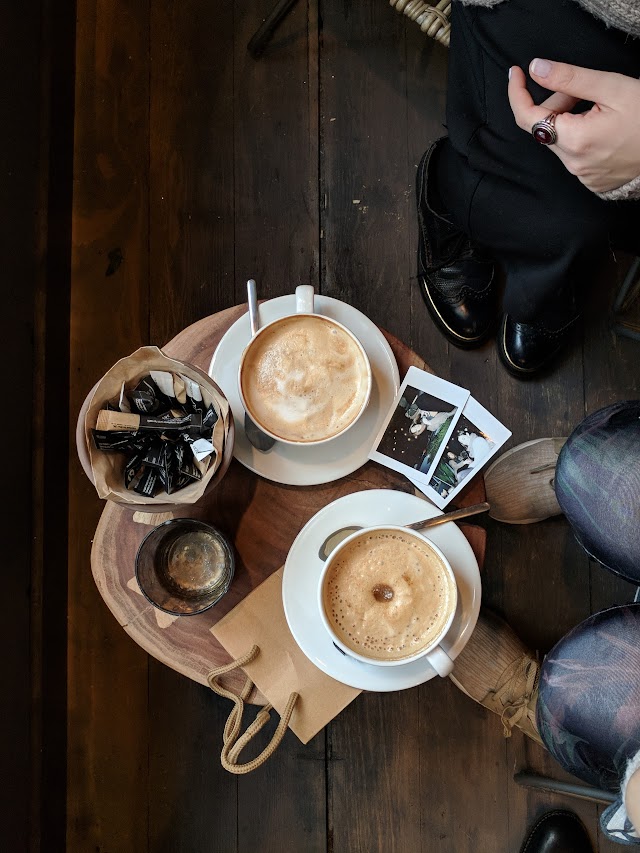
[[364, 184], [232, 165], [276, 227], [191, 271], [196, 168], [375, 752], [24, 145], [107, 674], [50, 477], [276, 153]]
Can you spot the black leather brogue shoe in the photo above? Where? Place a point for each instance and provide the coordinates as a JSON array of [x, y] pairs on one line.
[[526, 349], [557, 832], [456, 279]]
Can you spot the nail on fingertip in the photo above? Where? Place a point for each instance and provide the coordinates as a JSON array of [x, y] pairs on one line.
[[510, 70], [540, 67]]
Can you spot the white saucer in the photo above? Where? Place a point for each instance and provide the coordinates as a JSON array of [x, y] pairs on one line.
[[308, 466], [302, 572]]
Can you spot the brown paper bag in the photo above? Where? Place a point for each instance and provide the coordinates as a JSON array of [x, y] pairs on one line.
[[256, 635], [107, 468]]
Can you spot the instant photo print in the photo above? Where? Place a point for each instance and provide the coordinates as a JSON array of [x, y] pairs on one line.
[[475, 439], [419, 425]]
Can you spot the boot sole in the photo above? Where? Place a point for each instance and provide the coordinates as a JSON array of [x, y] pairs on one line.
[[452, 336], [519, 372]]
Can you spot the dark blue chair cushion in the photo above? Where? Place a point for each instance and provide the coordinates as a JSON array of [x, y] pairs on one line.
[[588, 709], [597, 484]]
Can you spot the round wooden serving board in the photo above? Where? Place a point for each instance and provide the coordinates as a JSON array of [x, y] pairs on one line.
[[262, 518]]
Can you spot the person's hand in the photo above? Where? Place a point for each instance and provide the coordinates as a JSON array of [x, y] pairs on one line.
[[601, 147]]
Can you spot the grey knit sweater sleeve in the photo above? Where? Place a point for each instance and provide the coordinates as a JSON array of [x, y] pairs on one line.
[[627, 192], [623, 14]]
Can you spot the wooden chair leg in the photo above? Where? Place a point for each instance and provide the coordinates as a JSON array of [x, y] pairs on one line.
[[263, 35], [582, 792]]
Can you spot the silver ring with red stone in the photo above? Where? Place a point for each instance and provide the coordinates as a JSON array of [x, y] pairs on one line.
[[544, 131]]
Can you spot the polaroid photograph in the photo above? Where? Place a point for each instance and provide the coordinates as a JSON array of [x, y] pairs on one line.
[[420, 423], [477, 436]]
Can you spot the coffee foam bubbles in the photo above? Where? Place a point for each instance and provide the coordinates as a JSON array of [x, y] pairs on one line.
[[387, 595], [304, 379]]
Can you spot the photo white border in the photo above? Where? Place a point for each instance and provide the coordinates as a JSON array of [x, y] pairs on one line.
[[447, 392], [487, 424]]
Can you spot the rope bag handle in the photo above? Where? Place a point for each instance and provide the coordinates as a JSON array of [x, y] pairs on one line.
[[232, 742]]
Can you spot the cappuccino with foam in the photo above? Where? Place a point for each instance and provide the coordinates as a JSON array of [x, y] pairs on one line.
[[388, 594], [304, 379]]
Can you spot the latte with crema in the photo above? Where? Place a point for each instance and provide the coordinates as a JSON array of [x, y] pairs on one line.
[[388, 595], [305, 378]]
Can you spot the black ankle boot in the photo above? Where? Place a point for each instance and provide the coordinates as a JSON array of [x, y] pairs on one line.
[[557, 832], [456, 280], [526, 349]]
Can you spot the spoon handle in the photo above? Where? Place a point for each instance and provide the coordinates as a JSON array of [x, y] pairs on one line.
[[454, 515], [252, 297]]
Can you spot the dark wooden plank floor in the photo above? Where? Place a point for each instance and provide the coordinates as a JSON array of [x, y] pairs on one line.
[[21, 254], [195, 168], [36, 151]]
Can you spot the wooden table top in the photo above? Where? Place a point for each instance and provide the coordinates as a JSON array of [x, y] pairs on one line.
[[244, 506]]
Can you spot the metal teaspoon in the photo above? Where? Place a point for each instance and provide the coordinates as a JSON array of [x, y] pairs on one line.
[[334, 539], [260, 440]]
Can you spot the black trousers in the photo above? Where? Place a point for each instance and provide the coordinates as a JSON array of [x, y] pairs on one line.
[[510, 194]]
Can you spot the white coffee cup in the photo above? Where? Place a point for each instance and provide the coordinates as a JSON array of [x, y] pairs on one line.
[[378, 598], [304, 379]]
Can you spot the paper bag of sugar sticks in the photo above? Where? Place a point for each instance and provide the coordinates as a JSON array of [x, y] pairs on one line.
[[155, 430]]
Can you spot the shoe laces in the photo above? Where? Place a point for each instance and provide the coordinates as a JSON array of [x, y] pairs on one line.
[[516, 707], [471, 253], [460, 249]]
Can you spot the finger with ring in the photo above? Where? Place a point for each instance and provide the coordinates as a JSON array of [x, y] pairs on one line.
[[544, 131]]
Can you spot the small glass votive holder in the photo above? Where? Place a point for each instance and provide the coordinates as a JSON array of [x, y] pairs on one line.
[[184, 566]]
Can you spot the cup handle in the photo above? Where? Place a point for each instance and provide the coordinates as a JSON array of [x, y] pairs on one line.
[[440, 661], [304, 299]]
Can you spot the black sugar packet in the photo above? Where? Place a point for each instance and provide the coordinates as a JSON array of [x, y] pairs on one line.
[[159, 462], [120, 441], [147, 399]]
